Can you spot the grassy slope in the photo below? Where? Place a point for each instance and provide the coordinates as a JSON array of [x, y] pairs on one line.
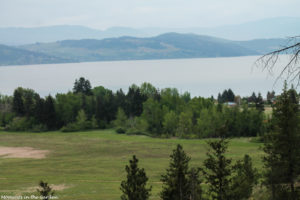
[[92, 163]]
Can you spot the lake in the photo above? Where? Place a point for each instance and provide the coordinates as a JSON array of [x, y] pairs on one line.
[[201, 77]]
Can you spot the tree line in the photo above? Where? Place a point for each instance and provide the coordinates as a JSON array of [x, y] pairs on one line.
[[142, 110]]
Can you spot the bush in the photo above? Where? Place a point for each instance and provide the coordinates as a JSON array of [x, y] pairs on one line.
[[6, 118], [135, 131], [71, 127], [19, 124], [121, 130], [39, 128]]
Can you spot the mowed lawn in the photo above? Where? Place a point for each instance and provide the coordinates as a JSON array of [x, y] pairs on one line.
[[91, 165]]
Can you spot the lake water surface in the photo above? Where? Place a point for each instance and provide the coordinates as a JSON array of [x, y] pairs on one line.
[[201, 77]]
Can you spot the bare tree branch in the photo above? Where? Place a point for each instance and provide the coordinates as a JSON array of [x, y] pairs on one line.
[[291, 70]]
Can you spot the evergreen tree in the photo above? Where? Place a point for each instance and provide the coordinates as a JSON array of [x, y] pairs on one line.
[[49, 113], [134, 187], [259, 104], [270, 97], [179, 183], [230, 95], [252, 98], [82, 86], [220, 100], [135, 100], [18, 104], [28, 102], [46, 191], [245, 179], [217, 170], [195, 184], [121, 99], [282, 160]]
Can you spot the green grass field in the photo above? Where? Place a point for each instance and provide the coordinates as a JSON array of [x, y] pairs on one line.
[[91, 164]]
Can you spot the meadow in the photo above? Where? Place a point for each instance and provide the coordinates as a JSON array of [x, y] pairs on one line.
[[91, 165]]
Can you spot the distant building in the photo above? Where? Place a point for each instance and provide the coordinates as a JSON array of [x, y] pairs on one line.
[[230, 104]]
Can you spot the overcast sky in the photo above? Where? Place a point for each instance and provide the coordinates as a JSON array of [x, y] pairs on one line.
[[102, 14]]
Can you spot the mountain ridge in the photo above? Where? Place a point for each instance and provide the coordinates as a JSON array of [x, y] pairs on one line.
[[279, 27], [165, 46]]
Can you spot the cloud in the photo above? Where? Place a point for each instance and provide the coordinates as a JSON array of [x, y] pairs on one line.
[[141, 13]]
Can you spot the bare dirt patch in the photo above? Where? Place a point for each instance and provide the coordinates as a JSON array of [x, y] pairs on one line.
[[53, 187], [22, 152], [34, 189]]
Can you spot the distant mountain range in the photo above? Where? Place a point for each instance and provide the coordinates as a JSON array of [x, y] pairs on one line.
[[17, 56], [268, 28], [165, 46]]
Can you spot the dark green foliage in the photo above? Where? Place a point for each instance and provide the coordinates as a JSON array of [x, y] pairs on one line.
[[147, 110], [152, 113], [252, 98], [245, 178], [82, 86], [282, 160], [134, 101], [46, 191], [67, 107], [18, 105], [49, 113], [217, 170], [195, 184], [259, 104], [227, 96], [121, 130], [270, 97], [120, 99], [20, 124], [105, 105], [179, 182], [135, 185]]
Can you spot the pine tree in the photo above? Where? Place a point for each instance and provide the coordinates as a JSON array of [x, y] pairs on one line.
[[50, 113], [217, 170], [195, 184], [46, 191], [282, 160], [18, 104], [179, 182], [134, 187], [244, 180], [259, 104], [82, 86]]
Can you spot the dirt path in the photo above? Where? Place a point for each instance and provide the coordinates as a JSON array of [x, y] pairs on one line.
[[22, 152]]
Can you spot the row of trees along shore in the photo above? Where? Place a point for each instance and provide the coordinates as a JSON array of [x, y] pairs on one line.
[[142, 110]]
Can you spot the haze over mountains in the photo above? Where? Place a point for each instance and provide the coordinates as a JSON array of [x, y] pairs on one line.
[[268, 28], [60, 44]]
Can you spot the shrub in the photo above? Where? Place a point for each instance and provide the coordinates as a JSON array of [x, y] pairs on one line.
[[19, 124], [39, 128], [121, 130], [71, 127]]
